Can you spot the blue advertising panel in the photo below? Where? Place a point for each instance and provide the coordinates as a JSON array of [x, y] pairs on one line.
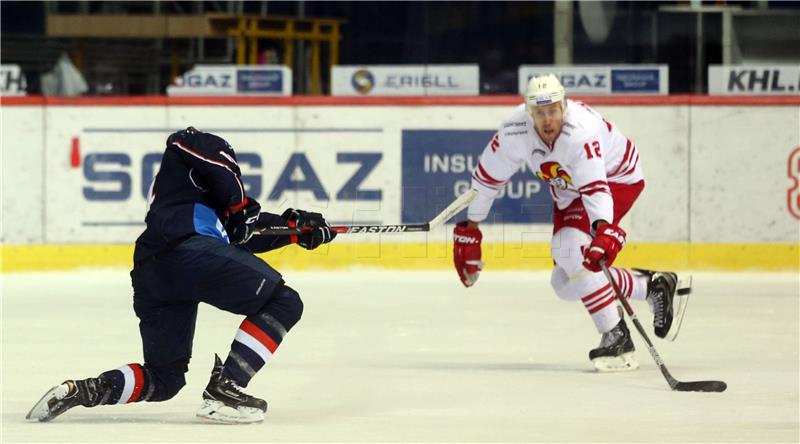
[[260, 81], [437, 167], [635, 80]]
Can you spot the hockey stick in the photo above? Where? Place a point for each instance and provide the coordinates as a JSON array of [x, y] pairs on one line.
[[457, 205], [694, 386]]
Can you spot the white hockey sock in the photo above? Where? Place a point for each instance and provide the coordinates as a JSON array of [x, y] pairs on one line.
[[632, 285], [639, 292]]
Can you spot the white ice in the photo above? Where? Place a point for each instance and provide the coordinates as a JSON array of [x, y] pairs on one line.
[[414, 357]]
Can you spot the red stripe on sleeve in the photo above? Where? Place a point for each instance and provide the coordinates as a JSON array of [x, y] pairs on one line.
[[195, 153], [495, 144], [596, 190], [487, 177], [213, 162], [633, 167], [624, 158], [589, 193], [236, 207], [594, 184], [483, 181]]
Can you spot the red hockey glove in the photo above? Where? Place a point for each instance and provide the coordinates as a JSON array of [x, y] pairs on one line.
[[467, 253], [608, 241]]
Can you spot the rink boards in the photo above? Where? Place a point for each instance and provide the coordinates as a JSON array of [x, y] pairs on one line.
[[722, 176]]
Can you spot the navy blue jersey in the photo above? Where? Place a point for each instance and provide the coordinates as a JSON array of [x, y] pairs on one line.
[[259, 243], [198, 183]]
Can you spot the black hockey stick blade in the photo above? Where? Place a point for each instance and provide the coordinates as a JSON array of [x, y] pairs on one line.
[[701, 386], [674, 384]]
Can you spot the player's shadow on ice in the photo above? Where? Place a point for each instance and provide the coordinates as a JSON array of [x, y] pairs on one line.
[[494, 366], [103, 418]]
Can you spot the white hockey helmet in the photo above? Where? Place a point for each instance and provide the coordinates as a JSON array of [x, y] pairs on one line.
[[544, 90]]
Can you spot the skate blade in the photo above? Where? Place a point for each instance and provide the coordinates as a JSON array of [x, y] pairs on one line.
[[679, 303], [41, 410], [215, 411], [623, 363]]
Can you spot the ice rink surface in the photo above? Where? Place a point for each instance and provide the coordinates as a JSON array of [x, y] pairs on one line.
[[414, 357]]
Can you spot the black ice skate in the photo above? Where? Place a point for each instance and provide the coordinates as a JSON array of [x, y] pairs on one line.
[[667, 296], [615, 352], [224, 401], [68, 394]]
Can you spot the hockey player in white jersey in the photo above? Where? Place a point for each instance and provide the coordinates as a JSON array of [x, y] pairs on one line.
[[594, 176]]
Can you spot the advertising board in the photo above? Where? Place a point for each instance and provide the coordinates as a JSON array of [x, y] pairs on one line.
[[404, 80], [602, 79], [233, 80], [754, 79]]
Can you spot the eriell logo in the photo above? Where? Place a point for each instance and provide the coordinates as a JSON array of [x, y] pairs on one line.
[[363, 81], [398, 81]]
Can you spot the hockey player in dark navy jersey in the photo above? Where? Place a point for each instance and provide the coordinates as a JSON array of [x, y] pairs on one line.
[[198, 247]]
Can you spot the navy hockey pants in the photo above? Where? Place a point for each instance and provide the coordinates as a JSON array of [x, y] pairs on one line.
[[167, 289]]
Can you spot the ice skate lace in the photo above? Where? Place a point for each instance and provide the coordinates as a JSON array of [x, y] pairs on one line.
[[236, 389], [657, 305]]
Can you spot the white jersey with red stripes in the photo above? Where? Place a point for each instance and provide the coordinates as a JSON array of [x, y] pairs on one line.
[[589, 153]]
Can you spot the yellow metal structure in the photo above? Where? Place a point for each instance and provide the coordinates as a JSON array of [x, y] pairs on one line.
[[249, 30]]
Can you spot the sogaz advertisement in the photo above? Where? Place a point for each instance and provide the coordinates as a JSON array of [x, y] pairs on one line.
[[437, 167], [352, 175], [602, 80], [106, 170], [233, 80]]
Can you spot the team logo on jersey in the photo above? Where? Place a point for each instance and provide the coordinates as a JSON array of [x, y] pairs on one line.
[[552, 173]]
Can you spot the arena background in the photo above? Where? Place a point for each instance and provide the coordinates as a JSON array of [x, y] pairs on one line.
[[721, 172], [375, 112]]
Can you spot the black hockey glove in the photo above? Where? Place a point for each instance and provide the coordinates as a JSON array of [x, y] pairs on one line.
[[319, 233], [316, 237], [302, 219], [241, 224]]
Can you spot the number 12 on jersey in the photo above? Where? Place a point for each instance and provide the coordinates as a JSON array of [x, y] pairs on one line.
[[594, 148]]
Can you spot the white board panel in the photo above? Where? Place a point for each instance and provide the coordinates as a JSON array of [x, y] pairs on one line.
[[713, 173], [22, 169], [102, 198], [738, 177], [661, 214]]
